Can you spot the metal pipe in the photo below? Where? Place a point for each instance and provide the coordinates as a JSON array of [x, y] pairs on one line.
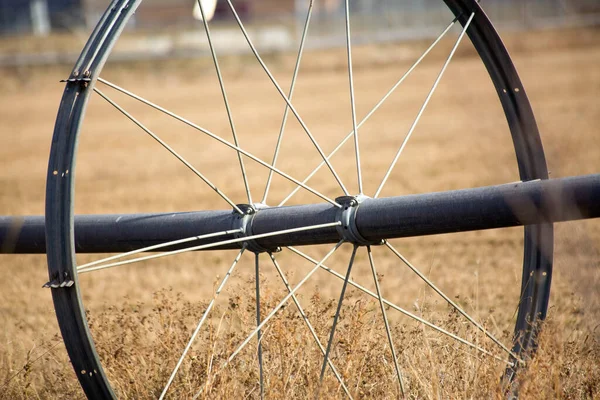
[[514, 204]]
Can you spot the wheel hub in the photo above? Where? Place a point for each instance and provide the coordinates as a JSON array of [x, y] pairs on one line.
[[243, 222], [347, 218]]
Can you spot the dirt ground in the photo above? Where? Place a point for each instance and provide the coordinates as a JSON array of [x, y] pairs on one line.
[[461, 141]]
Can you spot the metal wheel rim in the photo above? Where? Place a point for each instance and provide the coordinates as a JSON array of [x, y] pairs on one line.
[[538, 244]]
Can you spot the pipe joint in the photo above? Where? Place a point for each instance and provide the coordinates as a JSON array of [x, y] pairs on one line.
[[346, 215], [243, 222]]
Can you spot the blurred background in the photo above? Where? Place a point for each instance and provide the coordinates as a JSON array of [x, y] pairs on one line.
[[166, 29], [461, 142]]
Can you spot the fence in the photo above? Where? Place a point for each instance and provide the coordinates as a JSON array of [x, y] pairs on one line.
[[166, 28]]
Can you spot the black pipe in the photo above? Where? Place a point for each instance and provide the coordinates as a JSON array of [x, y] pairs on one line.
[[514, 204]]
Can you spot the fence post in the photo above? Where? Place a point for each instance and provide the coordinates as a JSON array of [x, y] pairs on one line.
[[40, 20]]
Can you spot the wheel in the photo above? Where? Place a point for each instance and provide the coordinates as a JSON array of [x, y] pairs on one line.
[[530, 296]]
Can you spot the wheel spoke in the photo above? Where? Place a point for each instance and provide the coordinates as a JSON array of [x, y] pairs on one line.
[[375, 108], [204, 316], [385, 320], [290, 95], [170, 149], [452, 303], [522, 296], [309, 325], [224, 93], [285, 299], [159, 246], [259, 333], [352, 101], [277, 308], [401, 310], [210, 245], [425, 103], [217, 138], [337, 315], [291, 107]]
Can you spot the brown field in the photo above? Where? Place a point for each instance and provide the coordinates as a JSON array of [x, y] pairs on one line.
[[142, 315]]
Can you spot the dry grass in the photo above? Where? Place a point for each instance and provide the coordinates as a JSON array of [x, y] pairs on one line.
[[141, 316], [137, 342]]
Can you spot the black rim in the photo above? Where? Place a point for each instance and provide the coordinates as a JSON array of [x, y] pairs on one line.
[[538, 242], [59, 202], [539, 239]]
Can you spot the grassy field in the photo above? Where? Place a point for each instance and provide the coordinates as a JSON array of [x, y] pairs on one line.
[[142, 315]]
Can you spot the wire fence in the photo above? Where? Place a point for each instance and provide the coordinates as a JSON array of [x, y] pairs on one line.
[[167, 28]]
